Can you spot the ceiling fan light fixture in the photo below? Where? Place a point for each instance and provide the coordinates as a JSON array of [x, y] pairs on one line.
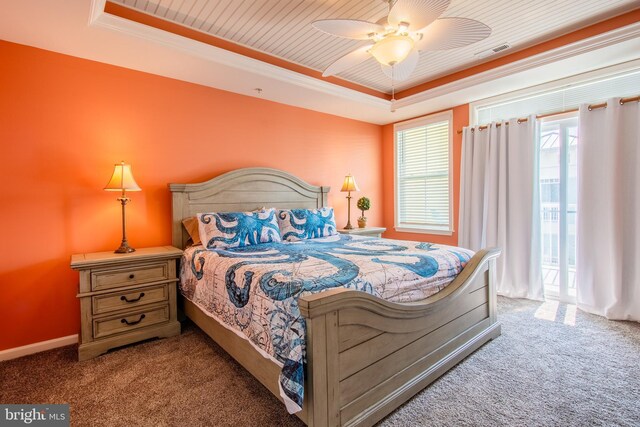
[[396, 40], [392, 49], [376, 37]]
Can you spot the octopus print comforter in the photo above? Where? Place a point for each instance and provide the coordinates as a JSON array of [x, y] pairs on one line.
[[254, 290]]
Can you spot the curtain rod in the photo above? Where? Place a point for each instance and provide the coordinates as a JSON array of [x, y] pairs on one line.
[[557, 113]]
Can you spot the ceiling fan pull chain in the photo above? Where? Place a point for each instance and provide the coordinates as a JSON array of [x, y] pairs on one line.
[[393, 89]]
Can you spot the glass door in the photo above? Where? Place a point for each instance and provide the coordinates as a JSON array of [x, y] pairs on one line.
[[558, 202]]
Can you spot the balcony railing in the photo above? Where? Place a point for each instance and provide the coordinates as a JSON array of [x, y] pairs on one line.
[[551, 249]]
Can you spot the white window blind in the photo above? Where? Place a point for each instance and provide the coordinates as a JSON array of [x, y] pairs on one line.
[[561, 98], [423, 174]]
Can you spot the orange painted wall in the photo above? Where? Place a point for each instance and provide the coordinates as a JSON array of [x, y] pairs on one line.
[[65, 121], [460, 120]]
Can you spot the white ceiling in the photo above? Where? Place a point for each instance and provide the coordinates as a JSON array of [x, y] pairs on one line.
[[80, 28], [282, 28]]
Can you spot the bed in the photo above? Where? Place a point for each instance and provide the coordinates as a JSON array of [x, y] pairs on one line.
[[365, 356]]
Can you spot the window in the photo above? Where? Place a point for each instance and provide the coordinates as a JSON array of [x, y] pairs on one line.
[[564, 95], [558, 157], [550, 187], [558, 201], [423, 174]]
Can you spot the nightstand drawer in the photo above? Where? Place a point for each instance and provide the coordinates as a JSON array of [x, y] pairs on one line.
[[130, 321], [128, 276], [130, 298]]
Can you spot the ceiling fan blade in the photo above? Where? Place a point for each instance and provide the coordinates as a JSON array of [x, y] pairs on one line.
[[417, 13], [450, 33], [348, 28], [349, 60], [403, 70]]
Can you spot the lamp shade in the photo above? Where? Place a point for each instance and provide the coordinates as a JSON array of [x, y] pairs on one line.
[[349, 184], [122, 179], [392, 49]]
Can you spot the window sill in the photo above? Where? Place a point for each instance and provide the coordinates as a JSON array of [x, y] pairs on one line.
[[442, 232]]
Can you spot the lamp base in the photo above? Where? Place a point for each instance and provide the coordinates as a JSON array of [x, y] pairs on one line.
[[348, 227], [124, 249]]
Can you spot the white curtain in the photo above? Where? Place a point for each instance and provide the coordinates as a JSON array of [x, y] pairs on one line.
[[608, 229], [500, 205]]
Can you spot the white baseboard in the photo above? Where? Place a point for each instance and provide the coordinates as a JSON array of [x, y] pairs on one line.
[[14, 353]]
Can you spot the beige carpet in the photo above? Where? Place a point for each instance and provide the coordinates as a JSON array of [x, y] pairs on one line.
[[551, 367]]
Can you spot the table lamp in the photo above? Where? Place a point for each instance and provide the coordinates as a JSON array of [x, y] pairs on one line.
[[348, 186], [122, 180]]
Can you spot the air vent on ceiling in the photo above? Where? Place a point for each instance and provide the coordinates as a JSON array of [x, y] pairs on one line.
[[493, 50]]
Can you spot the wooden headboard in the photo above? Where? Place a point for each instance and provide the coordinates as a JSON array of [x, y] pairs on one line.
[[238, 191]]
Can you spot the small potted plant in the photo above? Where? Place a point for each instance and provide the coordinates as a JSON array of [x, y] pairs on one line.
[[363, 204]]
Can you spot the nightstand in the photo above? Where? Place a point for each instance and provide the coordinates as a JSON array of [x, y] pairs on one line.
[[125, 298], [367, 231]]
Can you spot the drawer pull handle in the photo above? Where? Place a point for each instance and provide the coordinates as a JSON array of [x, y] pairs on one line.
[[124, 298], [135, 322], [131, 276]]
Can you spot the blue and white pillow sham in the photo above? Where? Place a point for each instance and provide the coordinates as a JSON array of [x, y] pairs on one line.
[[219, 230], [302, 224]]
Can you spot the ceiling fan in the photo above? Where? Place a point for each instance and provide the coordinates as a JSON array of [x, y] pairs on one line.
[[395, 41]]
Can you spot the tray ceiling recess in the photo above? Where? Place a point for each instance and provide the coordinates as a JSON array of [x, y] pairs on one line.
[[285, 29]]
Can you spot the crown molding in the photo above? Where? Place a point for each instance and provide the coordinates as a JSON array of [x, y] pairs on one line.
[[99, 18], [590, 44], [344, 99]]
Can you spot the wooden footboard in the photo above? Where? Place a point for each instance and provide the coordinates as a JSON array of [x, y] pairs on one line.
[[367, 356]]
